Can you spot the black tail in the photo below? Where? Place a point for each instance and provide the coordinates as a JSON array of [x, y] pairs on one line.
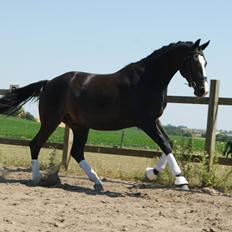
[[12, 101]]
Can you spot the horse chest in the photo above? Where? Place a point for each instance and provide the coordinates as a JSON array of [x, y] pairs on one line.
[[153, 103]]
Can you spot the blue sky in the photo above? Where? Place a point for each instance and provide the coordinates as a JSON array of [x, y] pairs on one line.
[[43, 39]]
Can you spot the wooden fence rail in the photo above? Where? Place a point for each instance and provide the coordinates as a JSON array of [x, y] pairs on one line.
[[115, 151], [213, 101]]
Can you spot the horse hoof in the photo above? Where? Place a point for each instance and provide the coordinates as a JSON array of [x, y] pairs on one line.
[[184, 187], [98, 188], [149, 174], [180, 180], [50, 180], [35, 182]]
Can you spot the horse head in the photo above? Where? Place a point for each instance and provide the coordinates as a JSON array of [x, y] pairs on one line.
[[193, 68]]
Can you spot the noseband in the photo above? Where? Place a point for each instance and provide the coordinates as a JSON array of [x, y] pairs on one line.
[[189, 78]]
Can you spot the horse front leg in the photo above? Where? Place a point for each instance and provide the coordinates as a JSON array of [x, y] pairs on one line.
[[158, 135], [80, 135], [152, 173]]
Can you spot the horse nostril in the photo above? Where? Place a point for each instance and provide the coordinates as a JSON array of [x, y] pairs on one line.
[[202, 91]]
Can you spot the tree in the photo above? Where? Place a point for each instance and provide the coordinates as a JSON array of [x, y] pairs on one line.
[[21, 113]]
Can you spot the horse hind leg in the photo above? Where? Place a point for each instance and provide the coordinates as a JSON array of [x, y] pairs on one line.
[[80, 135], [46, 129]]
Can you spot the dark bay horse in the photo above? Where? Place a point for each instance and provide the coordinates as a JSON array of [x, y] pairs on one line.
[[132, 96]]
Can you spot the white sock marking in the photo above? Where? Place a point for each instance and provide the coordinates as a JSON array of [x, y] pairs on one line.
[[160, 166], [35, 170], [175, 169], [90, 172]]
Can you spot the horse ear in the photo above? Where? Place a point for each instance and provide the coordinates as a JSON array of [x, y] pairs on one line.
[[196, 44], [203, 46]]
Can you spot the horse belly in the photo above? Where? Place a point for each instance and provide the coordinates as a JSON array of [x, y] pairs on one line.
[[102, 117], [110, 119]]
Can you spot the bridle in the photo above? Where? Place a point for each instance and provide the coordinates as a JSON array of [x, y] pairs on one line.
[[190, 78]]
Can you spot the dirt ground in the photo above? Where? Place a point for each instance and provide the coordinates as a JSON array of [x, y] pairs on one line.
[[73, 205]]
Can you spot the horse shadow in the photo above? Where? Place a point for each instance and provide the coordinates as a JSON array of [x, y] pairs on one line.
[[133, 188], [5, 179]]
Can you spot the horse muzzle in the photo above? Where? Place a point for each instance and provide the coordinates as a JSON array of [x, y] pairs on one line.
[[201, 91]]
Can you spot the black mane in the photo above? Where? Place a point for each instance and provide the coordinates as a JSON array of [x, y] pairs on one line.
[[157, 53], [161, 51]]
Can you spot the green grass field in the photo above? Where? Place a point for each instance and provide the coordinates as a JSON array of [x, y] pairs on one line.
[[12, 127]]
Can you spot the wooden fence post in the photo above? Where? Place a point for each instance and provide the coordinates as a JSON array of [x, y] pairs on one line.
[[211, 120], [68, 138], [122, 138]]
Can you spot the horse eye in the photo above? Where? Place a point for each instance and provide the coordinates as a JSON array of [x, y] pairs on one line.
[[195, 58]]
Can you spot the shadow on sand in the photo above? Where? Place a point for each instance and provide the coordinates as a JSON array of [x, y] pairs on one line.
[[133, 188], [54, 182]]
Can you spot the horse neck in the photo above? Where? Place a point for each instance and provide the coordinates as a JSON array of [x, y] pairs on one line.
[[160, 70]]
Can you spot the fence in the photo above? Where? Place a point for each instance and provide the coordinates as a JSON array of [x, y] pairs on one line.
[[213, 101]]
